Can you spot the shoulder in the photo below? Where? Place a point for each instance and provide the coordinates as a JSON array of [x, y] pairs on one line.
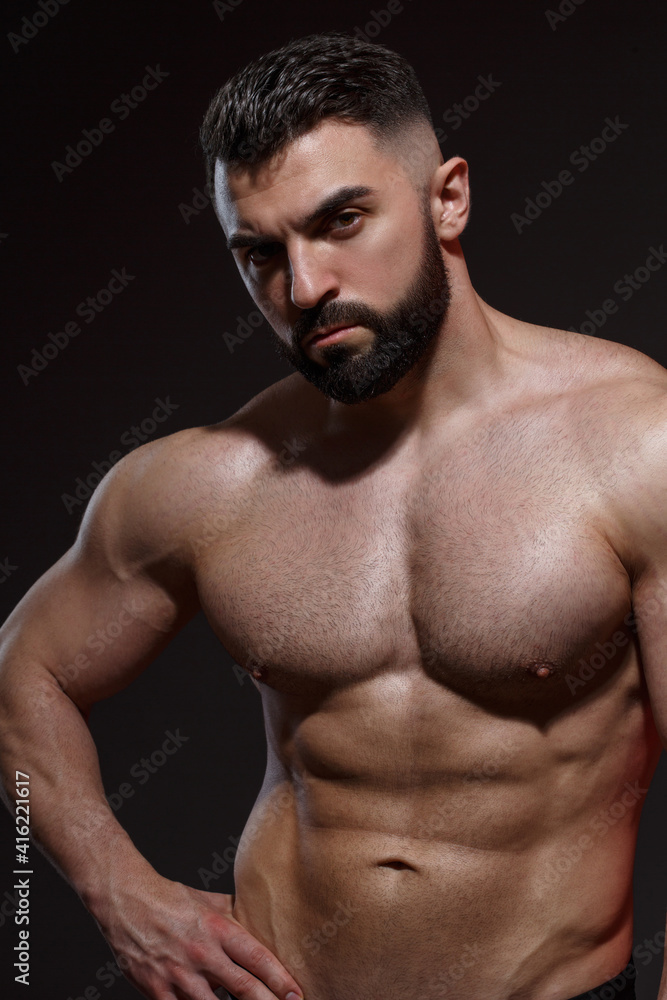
[[578, 357], [606, 403], [627, 388], [620, 404], [592, 377], [151, 504], [619, 396]]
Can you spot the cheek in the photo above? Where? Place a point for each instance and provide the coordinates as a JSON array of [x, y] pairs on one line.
[[383, 262]]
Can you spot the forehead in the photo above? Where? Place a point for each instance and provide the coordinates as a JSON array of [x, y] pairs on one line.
[[331, 155]]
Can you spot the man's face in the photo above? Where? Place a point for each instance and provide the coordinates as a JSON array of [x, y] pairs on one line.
[[333, 232]]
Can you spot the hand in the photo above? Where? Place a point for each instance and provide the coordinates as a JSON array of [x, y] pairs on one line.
[[174, 942]]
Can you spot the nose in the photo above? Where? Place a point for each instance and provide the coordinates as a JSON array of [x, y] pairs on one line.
[[311, 279]]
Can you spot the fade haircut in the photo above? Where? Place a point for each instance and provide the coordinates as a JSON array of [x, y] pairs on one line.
[[284, 93]]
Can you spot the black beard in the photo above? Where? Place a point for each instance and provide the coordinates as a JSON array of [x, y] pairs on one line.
[[402, 334]]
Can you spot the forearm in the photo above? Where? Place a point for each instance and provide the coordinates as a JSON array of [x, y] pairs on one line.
[[44, 735]]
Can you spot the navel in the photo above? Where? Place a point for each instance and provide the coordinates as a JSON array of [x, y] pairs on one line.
[[540, 668], [395, 863]]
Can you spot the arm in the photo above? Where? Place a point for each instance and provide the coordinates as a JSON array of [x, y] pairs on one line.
[[128, 566], [641, 508]]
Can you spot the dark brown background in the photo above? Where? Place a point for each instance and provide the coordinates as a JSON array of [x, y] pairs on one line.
[[162, 336]]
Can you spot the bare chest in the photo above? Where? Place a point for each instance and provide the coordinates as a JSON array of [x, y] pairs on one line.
[[482, 566]]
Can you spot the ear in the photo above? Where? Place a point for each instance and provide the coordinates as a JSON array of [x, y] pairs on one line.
[[450, 198]]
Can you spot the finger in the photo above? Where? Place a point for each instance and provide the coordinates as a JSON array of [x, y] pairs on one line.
[[194, 991], [252, 956], [190, 987], [235, 981]]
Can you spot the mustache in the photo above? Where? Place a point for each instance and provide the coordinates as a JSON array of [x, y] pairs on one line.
[[333, 313]]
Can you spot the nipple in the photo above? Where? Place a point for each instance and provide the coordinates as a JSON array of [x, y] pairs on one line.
[[256, 667], [540, 669]]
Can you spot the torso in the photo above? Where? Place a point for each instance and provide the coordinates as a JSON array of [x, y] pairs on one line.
[[443, 639]]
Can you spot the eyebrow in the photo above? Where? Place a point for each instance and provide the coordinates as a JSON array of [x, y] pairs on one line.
[[329, 204]]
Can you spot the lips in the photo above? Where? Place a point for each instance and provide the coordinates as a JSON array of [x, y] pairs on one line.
[[321, 334]]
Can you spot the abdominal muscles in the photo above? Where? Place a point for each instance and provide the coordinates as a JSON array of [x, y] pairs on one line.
[[371, 876]]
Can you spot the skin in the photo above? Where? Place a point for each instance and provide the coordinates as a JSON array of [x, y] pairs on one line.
[[417, 584]]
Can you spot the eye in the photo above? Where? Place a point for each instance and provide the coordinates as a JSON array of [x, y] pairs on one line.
[[349, 217], [260, 254]]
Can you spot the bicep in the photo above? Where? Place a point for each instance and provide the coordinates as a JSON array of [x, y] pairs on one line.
[[99, 615], [639, 505], [649, 603]]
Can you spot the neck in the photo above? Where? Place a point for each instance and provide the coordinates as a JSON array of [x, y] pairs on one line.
[[465, 364]]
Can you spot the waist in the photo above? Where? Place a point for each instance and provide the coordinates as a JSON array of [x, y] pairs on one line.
[[620, 986], [356, 911]]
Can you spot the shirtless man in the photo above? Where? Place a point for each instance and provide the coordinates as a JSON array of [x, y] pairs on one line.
[[438, 547]]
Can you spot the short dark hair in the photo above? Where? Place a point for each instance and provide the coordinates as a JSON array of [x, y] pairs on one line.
[[284, 93]]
